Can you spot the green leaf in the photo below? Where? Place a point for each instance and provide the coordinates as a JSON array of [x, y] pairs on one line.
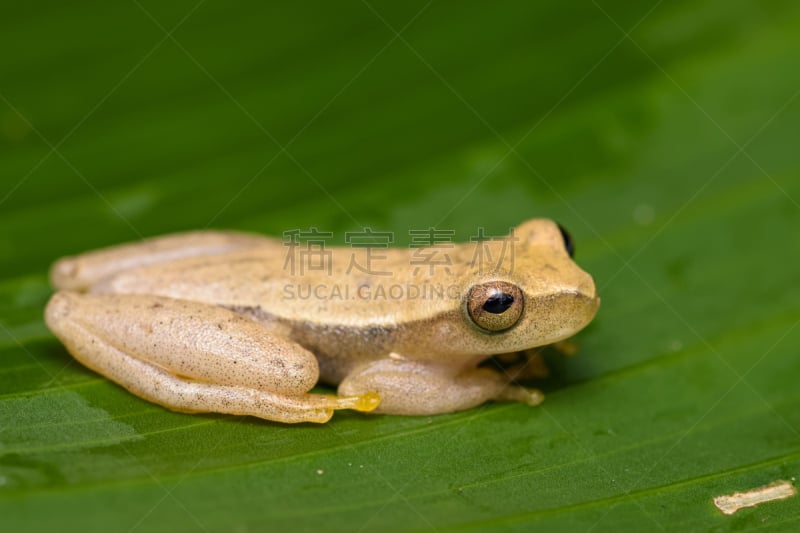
[[662, 134]]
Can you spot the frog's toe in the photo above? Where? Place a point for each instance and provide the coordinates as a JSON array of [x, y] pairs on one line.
[[533, 397], [514, 393], [319, 416], [358, 402], [366, 402]]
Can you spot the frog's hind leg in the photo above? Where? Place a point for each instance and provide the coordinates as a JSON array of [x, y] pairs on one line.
[[81, 271], [194, 357]]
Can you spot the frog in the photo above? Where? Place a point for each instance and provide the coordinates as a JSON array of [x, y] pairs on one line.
[[244, 324]]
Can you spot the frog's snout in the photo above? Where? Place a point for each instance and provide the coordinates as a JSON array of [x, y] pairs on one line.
[[588, 291], [587, 288]]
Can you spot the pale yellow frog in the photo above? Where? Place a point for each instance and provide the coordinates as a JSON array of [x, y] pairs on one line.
[[244, 324]]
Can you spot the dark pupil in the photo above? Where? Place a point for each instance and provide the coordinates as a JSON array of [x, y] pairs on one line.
[[498, 303]]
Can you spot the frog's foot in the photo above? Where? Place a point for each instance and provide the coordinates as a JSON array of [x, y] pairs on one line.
[[365, 403], [193, 357], [567, 347], [516, 393], [289, 409], [521, 366], [409, 387], [82, 271]]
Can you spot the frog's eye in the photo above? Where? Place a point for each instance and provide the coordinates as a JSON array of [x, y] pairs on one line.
[[495, 306], [568, 244]]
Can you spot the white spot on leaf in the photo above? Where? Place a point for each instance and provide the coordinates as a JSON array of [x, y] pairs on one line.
[[778, 490]]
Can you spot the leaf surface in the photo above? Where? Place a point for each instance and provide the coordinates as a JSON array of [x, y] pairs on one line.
[[663, 135]]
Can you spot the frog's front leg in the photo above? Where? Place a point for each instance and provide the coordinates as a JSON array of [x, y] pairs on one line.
[[194, 357], [413, 387], [521, 366]]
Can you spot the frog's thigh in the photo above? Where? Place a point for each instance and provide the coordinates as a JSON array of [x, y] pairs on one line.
[[193, 357], [81, 271], [421, 387]]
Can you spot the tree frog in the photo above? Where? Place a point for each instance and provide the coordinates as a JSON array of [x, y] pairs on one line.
[[237, 323]]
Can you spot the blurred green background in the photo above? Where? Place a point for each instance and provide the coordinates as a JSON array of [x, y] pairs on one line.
[[664, 135]]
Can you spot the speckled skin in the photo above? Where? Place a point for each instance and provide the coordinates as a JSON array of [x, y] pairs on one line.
[[223, 322]]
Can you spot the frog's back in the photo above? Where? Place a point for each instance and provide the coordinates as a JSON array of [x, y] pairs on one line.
[[337, 286]]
